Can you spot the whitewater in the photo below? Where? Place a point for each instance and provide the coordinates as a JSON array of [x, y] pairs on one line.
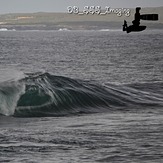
[[81, 96]]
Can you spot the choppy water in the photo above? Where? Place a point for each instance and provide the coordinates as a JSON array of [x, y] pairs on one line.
[[81, 96]]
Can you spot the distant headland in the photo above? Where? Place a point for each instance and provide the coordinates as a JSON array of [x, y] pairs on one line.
[[43, 20]]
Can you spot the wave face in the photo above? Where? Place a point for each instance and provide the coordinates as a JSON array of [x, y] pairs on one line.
[[49, 95], [43, 94]]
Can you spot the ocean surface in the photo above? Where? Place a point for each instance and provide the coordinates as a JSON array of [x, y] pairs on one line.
[[81, 96]]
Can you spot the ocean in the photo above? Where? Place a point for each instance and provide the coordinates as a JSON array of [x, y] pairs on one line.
[[83, 96]]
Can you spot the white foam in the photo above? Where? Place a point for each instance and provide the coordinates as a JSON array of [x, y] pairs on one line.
[[10, 93], [3, 29], [63, 29], [11, 88]]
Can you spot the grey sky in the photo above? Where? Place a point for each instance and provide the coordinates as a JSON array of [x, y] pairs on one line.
[[25, 6]]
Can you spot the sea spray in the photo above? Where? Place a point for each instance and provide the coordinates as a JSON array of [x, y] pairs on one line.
[[10, 93], [11, 88]]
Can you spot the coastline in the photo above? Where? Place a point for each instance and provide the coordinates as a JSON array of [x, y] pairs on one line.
[[55, 21]]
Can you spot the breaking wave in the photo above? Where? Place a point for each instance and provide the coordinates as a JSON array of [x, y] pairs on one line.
[[44, 94], [5, 29]]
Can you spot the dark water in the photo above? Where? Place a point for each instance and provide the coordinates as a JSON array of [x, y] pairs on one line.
[[81, 96]]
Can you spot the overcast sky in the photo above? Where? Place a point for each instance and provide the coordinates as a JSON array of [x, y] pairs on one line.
[[25, 6]]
